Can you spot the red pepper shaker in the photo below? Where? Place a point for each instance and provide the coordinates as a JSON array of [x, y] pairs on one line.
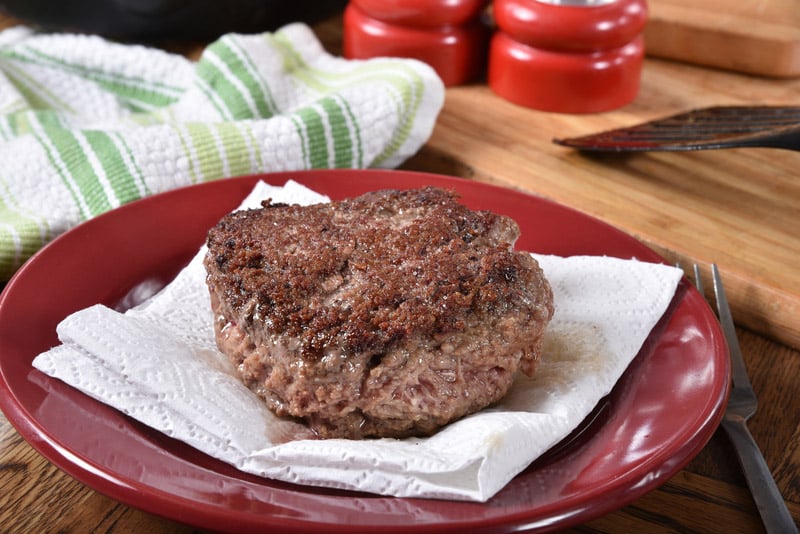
[[448, 35], [569, 56]]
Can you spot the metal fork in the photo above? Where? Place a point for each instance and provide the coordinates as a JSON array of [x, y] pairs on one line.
[[742, 405], [701, 129]]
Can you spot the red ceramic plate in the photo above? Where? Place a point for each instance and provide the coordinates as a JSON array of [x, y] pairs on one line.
[[660, 414]]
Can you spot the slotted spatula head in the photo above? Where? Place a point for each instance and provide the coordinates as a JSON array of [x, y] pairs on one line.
[[701, 129]]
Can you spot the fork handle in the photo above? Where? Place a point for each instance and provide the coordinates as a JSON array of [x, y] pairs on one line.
[[774, 514]]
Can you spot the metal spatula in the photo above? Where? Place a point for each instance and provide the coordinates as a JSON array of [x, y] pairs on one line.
[[701, 129]]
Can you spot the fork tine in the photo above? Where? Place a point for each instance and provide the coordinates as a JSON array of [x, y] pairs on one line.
[[739, 372], [698, 281]]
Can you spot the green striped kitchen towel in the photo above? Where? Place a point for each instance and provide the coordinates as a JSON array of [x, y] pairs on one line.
[[87, 124]]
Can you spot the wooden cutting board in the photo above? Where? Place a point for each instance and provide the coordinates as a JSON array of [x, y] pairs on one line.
[[759, 37]]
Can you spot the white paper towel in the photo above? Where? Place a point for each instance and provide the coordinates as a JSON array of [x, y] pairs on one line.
[[159, 364]]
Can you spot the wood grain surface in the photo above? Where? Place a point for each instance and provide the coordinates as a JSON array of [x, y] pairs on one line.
[[738, 208], [753, 36]]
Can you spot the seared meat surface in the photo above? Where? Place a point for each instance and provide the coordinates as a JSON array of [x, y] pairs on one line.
[[386, 315]]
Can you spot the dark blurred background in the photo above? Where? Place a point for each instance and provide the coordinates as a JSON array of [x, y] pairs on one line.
[[168, 19]]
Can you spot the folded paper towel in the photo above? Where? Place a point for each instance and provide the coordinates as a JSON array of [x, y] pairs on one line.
[[159, 364], [87, 124]]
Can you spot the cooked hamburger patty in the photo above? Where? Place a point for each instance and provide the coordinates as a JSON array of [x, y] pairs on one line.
[[387, 315]]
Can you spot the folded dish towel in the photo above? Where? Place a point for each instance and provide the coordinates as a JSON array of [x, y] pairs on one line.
[[87, 125]]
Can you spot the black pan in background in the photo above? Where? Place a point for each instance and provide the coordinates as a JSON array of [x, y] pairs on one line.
[[168, 19]]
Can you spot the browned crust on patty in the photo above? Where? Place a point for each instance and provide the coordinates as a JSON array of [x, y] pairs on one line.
[[421, 277], [360, 278]]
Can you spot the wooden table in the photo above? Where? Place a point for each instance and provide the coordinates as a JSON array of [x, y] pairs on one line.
[[738, 208]]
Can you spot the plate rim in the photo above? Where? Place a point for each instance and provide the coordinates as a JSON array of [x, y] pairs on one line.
[[48, 445]]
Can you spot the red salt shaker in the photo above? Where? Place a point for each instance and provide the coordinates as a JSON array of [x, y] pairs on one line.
[[569, 56], [448, 35]]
